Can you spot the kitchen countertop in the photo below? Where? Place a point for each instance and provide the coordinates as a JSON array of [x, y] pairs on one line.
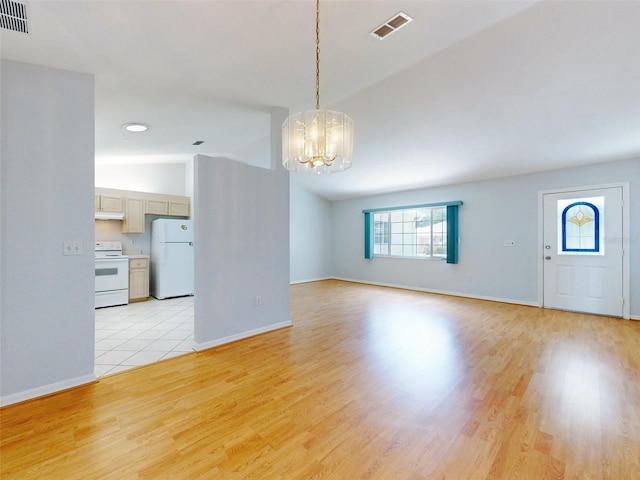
[[137, 256]]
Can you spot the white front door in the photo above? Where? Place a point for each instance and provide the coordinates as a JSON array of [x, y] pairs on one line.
[[582, 249]]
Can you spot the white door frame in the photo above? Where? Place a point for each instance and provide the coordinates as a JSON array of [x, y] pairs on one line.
[[626, 223]]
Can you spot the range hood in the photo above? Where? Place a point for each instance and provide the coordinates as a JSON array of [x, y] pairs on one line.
[[109, 216]]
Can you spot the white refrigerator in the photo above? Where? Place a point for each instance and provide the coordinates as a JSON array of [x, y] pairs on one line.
[[172, 259]]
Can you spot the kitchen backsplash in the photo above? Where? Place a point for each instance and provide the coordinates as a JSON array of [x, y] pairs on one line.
[[134, 243]]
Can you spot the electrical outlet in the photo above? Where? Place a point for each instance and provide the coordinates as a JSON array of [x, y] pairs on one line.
[[509, 243], [258, 300]]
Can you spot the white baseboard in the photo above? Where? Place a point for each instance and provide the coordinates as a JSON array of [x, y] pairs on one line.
[[242, 335], [454, 294], [311, 280], [46, 390], [443, 292]]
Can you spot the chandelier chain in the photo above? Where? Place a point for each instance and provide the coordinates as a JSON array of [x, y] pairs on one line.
[[317, 141], [317, 54]]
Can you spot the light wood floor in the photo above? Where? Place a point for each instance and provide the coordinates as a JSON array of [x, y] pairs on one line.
[[370, 383]]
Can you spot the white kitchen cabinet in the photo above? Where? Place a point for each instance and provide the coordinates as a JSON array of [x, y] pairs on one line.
[[138, 278]]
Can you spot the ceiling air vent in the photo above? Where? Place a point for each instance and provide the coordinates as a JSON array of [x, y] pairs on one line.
[[13, 16], [394, 23]]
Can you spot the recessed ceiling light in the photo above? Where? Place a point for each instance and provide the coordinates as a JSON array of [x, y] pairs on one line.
[[394, 23], [136, 127]]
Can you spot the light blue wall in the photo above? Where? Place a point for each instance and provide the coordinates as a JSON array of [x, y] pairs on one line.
[[46, 298], [493, 211], [311, 236], [241, 246]]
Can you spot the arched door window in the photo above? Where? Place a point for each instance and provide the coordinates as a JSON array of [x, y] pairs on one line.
[[580, 227]]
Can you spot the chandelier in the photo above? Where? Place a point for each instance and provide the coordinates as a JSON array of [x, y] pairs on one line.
[[317, 141]]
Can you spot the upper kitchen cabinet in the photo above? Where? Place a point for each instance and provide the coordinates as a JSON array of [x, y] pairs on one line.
[[133, 214], [179, 206], [131, 207], [171, 205], [108, 201]]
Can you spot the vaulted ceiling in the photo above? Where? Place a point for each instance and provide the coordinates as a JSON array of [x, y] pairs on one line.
[[468, 90]]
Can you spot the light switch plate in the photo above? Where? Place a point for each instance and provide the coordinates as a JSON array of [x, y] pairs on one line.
[[73, 247]]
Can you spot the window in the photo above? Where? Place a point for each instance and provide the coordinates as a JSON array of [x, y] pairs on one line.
[[417, 231], [381, 233]]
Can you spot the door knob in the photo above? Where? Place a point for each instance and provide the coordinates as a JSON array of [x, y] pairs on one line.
[[547, 258]]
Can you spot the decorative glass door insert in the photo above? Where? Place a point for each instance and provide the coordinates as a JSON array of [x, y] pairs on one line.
[[581, 226]]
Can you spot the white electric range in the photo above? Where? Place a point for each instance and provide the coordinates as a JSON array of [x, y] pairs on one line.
[[112, 274]]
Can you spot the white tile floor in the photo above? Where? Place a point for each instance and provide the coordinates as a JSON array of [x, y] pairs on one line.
[[140, 333]]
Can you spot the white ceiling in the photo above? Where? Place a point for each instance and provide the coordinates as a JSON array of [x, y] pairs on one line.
[[468, 90]]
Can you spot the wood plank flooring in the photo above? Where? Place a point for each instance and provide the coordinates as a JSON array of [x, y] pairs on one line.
[[370, 383]]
